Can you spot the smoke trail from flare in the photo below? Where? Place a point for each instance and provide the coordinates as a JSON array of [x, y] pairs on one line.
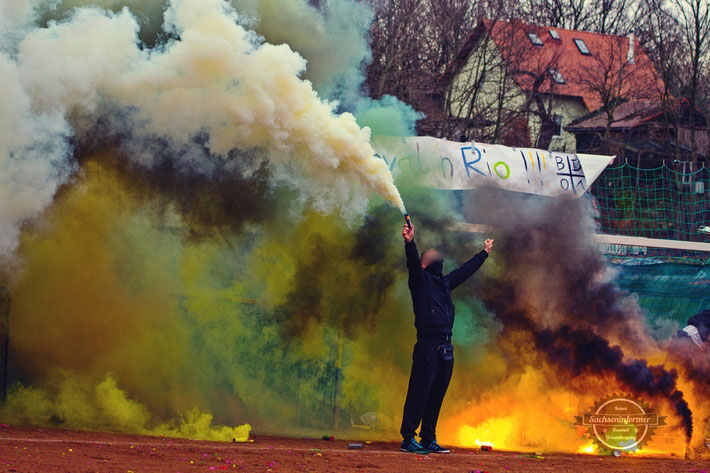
[[209, 89], [582, 352], [561, 295]]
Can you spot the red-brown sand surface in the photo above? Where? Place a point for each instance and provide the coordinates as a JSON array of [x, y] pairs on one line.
[[52, 450]]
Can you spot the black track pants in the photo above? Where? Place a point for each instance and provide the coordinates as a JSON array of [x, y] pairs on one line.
[[431, 373]]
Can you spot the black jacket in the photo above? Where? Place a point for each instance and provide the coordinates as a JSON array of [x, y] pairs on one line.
[[431, 294]]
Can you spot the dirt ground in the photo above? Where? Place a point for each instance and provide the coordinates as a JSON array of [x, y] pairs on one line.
[[52, 450]]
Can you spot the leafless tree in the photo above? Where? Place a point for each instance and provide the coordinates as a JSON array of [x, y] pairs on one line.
[[396, 58], [600, 16], [614, 78], [478, 89], [539, 72], [568, 14], [414, 44], [416, 52], [693, 18], [659, 34]]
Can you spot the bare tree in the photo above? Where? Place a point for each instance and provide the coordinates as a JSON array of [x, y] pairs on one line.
[[414, 44], [396, 58], [420, 49], [479, 89], [568, 14], [600, 16], [613, 76], [541, 73], [694, 25], [659, 33]]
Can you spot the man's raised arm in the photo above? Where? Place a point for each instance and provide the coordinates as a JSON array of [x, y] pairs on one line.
[[414, 264], [466, 270]]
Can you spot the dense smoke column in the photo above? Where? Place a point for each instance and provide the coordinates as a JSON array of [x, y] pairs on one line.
[[581, 352], [553, 287]]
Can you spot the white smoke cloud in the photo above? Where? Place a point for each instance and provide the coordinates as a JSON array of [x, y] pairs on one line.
[[214, 78], [34, 150], [15, 17], [70, 66], [334, 39]]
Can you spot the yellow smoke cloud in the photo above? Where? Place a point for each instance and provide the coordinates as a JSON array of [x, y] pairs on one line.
[[121, 323], [83, 322], [75, 403], [216, 83]]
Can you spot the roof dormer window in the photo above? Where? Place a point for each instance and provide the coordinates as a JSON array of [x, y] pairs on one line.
[[554, 35], [535, 39], [557, 76], [582, 46]]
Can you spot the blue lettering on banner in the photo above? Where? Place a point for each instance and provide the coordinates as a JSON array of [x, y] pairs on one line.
[[567, 166], [421, 166], [451, 167], [384, 158], [469, 165]]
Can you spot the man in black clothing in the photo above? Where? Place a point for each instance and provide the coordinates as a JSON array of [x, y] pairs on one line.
[[433, 358]]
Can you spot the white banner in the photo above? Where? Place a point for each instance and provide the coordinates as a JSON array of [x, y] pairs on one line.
[[450, 165]]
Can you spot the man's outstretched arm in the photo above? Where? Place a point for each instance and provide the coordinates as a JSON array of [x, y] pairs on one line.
[[466, 270], [414, 264]]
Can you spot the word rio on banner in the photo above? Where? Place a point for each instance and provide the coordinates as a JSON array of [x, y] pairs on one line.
[[444, 164]]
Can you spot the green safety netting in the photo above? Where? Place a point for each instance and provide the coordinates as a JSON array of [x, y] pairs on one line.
[[667, 291], [669, 202], [664, 202]]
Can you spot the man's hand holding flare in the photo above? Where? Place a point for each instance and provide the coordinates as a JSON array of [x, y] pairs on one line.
[[408, 233]]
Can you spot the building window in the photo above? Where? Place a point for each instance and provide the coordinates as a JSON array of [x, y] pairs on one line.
[[535, 39], [558, 124], [554, 35], [582, 46], [557, 76]]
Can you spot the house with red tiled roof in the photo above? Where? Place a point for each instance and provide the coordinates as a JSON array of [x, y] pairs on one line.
[[521, 84]]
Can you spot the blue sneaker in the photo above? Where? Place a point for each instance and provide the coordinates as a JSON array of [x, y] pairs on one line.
[[434, 447], [412, 446]]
